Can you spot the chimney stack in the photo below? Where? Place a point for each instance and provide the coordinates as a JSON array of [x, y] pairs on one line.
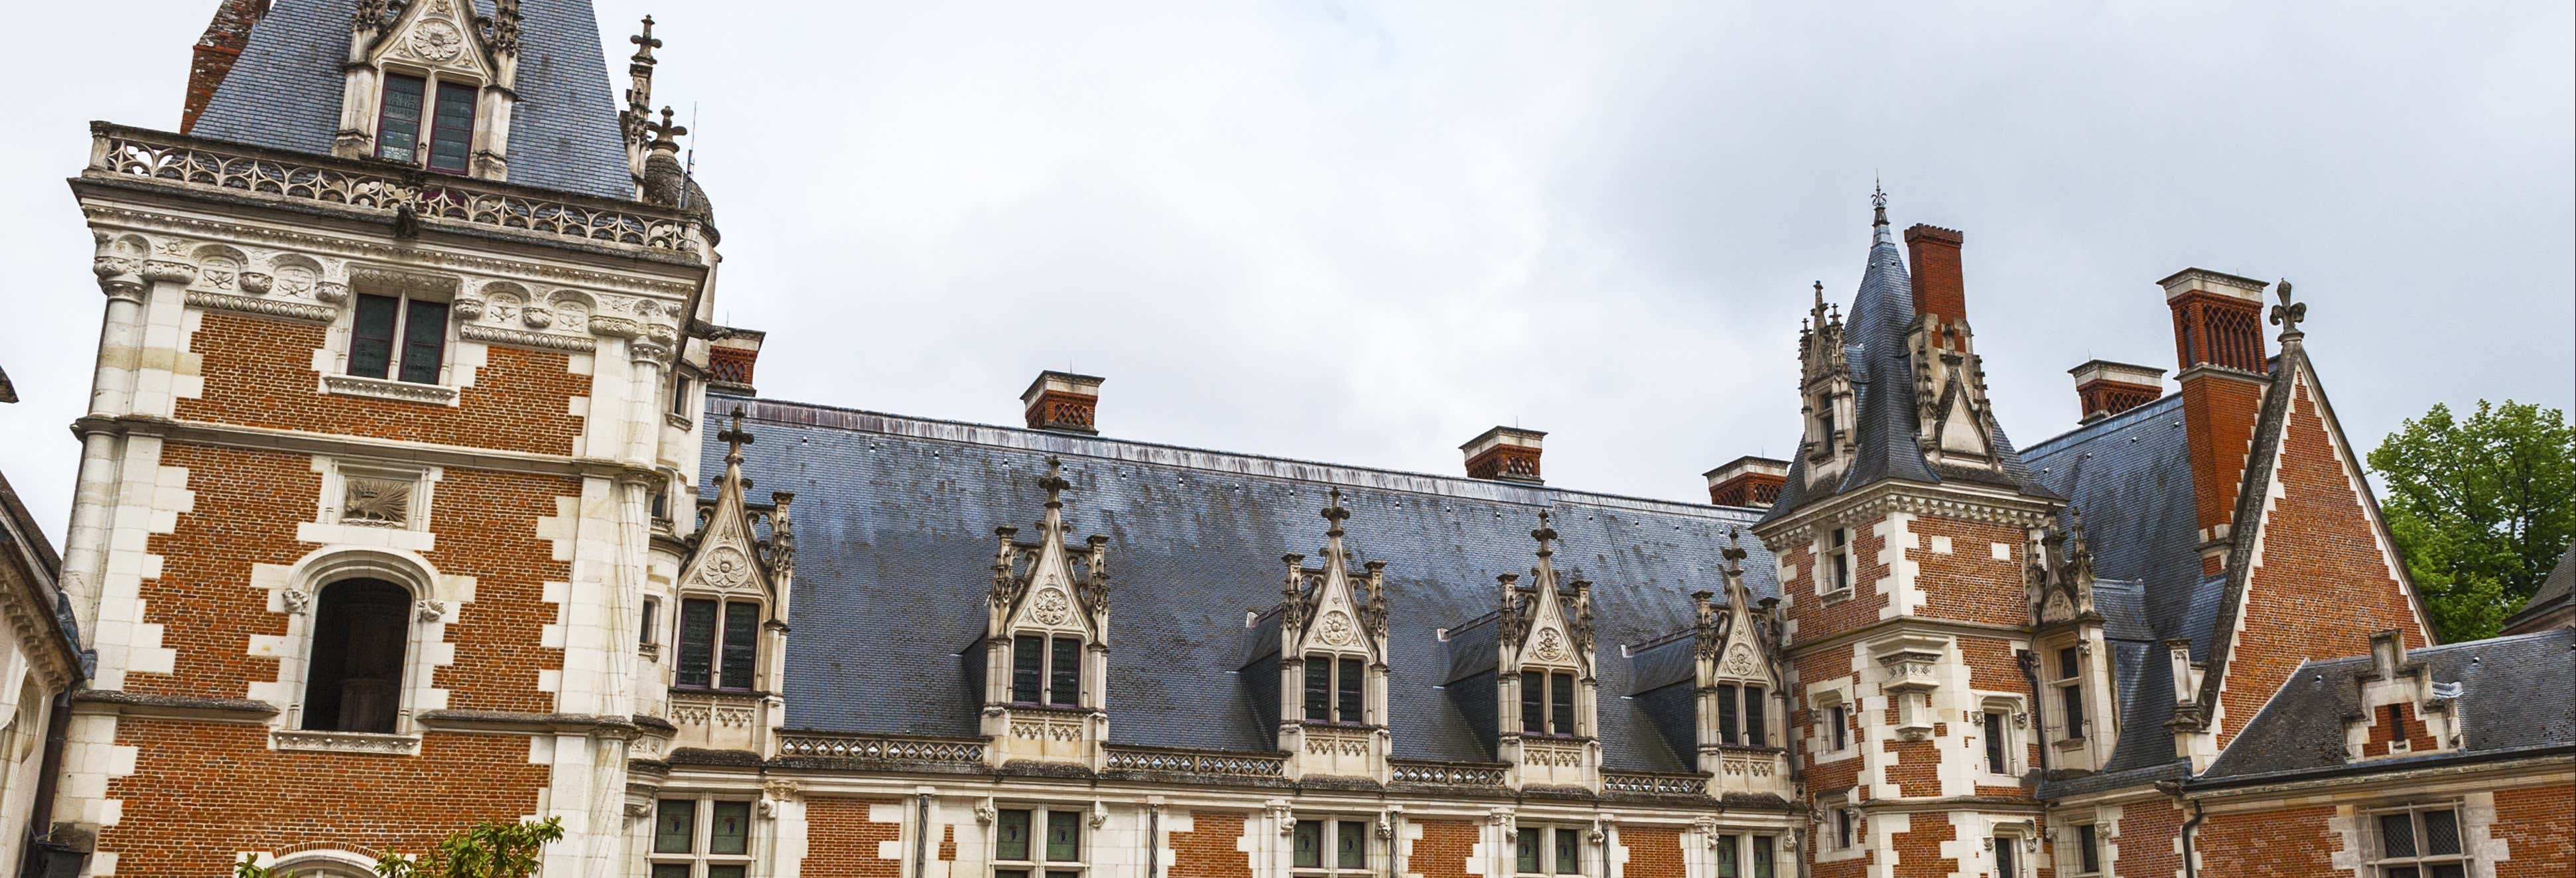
[[2106, 388], [731, 354], [2218, 342], [1504, 453], [217, 49], [1063, 402], [1939, 285], [1748, 481]]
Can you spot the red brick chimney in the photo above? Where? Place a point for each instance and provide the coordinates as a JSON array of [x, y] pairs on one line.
[[2107, 388], [731, 354], [1939, 286], [1505, 453], [2218, 340], [1748, 481], [1062, 401], [216, 51]]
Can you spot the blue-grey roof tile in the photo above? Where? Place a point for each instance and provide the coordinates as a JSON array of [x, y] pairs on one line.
[[2516, 693]]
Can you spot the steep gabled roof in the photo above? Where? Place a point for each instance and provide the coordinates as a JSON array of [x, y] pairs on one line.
[[284, 93], [2551, 597], [1884, 404], [2513, 699], [895, 545]]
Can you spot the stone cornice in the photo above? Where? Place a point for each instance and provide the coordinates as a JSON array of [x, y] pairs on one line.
[[180, 707], [2450, 773], [1922, 499], [523, 723], [268, 439], [126, 218], [282, 308], [1885, 627], [521, 338]]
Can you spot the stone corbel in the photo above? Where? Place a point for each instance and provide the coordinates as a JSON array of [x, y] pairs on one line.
[[1387, 820], [1283, 814], [1502, 817], [1099, 814], [985, 813], [1601, 827], [429, 610], [295, 600], [1707, 829]]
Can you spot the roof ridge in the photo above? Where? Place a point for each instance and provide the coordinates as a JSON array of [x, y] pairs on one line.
[[2099, 428], [1739, 516]]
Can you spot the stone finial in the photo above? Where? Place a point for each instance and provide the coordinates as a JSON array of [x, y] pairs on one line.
[[645, 42], [2288, 314]]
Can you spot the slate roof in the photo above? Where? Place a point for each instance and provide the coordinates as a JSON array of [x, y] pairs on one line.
[[2552, 595], [1884, 405], [284, 93], [2515, 697], [895, 521]]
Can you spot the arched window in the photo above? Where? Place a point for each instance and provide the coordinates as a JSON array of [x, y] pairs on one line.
[[354, 680]]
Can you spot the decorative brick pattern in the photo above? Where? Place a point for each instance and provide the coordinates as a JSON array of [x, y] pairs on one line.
[[1443, 849], [2291, 843], [259, 373], [1969, 584], [2316, 535], [202, 791], [1918, 850], [2419, 738], [1212, 848], [1653, 852], [841, 840], [2538, 826], [2218, 414]]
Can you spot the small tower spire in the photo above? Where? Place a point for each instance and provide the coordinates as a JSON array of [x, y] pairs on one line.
[[1878, 203], [734, 438]]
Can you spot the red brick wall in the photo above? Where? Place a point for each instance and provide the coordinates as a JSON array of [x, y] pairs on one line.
[[1918, 851], [2419, 739], [2218, 423], [259, 373], [2324, 585], [1211, 849], [202, 791], [216, 50], [1916, 768], [247, 506], [841, 840], [2148, 831], [2538, 825], [2291, 843], [1968, 584], [1653, 852], [1443, 849], [1818, 618]]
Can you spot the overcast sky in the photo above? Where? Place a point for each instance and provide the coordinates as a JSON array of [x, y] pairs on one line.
[[1363, 233]]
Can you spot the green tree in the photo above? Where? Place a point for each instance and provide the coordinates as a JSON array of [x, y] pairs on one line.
[[489, 849], [2481, 508]]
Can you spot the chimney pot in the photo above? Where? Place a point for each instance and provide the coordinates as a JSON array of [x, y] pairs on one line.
[[1748, 481], [1504, 453], [1063, 402], [731, 354], [2218, 341], [2106, 388]]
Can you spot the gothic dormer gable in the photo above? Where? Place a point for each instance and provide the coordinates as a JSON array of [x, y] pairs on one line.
[[1825, 389], [431, 84], [2059, 574], [1545, 626], [1048, 585], [728, 554], [1331, 608], [1736, 641], [444, 36]]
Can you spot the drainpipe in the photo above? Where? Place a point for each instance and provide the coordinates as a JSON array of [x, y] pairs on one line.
[[1153, 841], [2190, 869], [921, 840], [41, 846], [2029, 663]]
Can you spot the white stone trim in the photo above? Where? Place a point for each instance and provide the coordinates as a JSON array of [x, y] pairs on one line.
[[379, 388], [344, 742]]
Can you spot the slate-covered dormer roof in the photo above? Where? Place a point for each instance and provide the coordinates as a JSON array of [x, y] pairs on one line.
[[2512, 700], [895, 521], [1885, 409], [284, 92]]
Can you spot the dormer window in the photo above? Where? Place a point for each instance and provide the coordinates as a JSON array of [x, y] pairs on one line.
[[1046, 671], [1752, 731], [411, 104], [2070, 691], [1825, 423], [1334, 689], [1547, 703], [718, 650]]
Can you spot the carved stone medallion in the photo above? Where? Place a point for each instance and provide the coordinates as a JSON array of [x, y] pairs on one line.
[[1739, 661], [1050, 606], [1551, 646], [436, 40], [726, 568], [1336, 628]]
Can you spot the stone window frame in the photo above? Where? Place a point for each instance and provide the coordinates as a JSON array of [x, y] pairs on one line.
[[2380, 864], [335, 492], [701, 860], [2022, 841], [404, 285], [1550, 849], [1736, 692], [1834, 811], [2015, 720], [1824, 699], [423, 631], [2071, 848], [1037, 864], [2062, 735], [1745, 863], [1331, 660], [1332, 826], [1826, 552]]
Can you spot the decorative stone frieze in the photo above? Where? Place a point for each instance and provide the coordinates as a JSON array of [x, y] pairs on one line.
[[397, 391], [345, 742]]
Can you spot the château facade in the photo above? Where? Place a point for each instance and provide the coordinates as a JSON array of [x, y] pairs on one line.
[[418, 487]]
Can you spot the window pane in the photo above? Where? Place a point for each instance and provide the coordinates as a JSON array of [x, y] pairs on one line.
[[724, 872], [1842, 727], [1762, 856], [355, 678], [2087, 846], [2441, 833], [1348, 675], [2006, 864], [1533, 701], [1843, 826], [670, 870], [2066, 662], [424, 340], [1028, 666], [1063, 874], [371, 335], [1726, 856], [2450, 870], [1842, 571], [1011, 836], [1309, 845], [2073, 699], [1351, 845], [1010, 873], [1560, 696], [675, 827], [1753, 718], [1064, 836], [697, 643], [1995, 743], [1319, 689], [1726, 722], [741, 646], [1527, 861], [1569, 853], [2403, 872], [2396, 723], [2396, 835], [652, 614], [452, 135], [729, 828], [1064, 673], [398, 128]]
